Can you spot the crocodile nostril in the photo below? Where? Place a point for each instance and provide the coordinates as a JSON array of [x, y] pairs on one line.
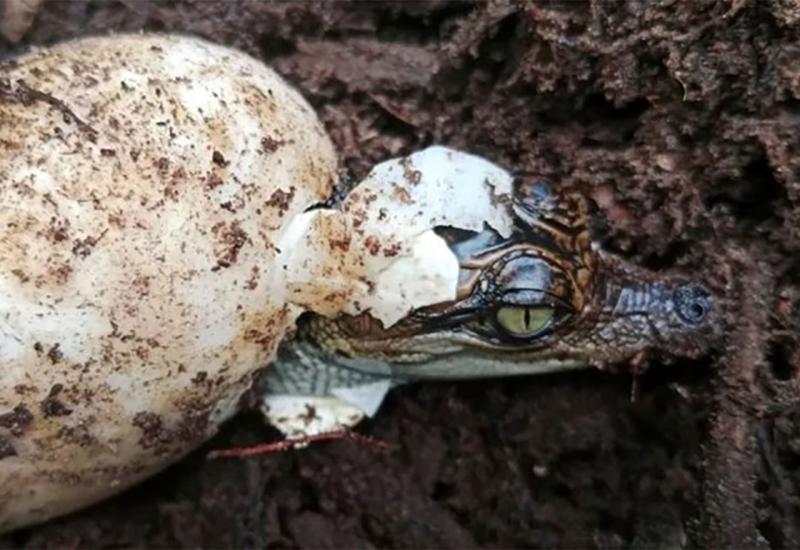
[[692, 303]]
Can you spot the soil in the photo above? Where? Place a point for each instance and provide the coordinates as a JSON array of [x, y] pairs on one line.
[[682, 121]]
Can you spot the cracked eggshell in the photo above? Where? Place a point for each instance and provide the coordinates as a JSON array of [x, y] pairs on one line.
[[380, 253], [298, 416], [144, 182]]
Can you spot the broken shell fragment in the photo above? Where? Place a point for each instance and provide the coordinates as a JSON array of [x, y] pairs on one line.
[[380, 253]]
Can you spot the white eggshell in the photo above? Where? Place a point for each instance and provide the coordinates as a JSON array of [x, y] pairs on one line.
[[379, 254], [299, 416], [144, 182]]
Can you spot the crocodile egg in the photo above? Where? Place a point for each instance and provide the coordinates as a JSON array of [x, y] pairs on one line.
[[144, 183]]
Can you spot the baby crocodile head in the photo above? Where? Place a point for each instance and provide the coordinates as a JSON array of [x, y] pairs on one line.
[[543, 299]]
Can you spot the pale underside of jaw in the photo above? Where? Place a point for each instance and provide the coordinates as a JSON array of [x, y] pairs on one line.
[[379, 254]]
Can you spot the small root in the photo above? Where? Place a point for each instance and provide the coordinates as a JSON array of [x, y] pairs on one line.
[[297, 443]]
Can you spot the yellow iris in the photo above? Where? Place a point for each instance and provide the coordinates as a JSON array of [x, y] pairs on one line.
[[524, 322]]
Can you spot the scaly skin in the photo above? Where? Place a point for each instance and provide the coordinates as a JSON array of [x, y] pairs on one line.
[[598, 309]]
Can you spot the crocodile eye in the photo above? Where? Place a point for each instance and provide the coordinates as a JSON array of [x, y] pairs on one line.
[[524, 322]]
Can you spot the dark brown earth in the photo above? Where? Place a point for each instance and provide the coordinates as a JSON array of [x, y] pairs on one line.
[[682, 121]]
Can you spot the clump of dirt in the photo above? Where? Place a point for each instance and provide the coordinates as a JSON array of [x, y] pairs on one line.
[[682, 121]]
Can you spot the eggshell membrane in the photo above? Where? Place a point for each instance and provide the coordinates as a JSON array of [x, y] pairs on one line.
[[144, 182], [380, 253]]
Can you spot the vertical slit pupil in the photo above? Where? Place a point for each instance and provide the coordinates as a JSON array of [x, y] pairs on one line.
[[527, 318]]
